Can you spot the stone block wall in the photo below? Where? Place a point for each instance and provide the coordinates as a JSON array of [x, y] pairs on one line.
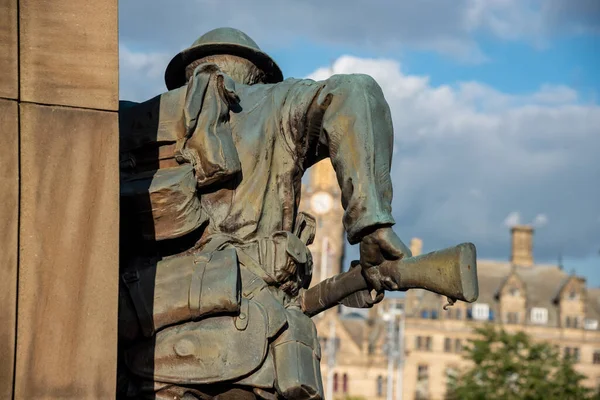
[[60, 203]]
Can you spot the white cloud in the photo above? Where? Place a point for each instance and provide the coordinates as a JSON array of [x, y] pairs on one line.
[[540, 220], [140, 73], [150, 64], [512, 219], [527, 152]]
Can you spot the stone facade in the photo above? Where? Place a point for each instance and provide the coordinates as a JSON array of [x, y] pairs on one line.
[[542, 300], [321, 197], [59, 243]]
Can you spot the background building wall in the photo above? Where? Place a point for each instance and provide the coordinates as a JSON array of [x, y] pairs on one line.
[[434, 339]]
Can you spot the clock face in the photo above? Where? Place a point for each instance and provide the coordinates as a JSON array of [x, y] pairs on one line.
[[321, 202]]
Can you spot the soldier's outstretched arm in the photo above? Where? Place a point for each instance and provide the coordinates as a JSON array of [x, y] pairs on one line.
[[350, 121]]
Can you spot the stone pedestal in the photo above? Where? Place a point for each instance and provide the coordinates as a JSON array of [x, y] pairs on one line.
[[60, 202]]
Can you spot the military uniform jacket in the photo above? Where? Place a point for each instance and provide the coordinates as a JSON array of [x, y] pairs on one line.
[[277, 131]]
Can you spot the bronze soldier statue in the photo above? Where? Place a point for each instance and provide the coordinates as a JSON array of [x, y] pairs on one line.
[[214, 298]]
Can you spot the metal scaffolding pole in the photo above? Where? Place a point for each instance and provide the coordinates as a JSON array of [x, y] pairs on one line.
[[331, 350], [324, 258], [395, 350], [391, 356], [400, 370]]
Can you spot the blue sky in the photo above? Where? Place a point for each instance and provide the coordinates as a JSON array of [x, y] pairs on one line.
[[495, 103]]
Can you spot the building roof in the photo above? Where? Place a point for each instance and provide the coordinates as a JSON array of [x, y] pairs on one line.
[[542, 283], [593, 303], [355, 328]]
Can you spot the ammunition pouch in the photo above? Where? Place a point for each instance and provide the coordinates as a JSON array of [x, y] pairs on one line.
[[283, 257], [179, 289], [212, 350], [297, 356], [281, 260], [164, 203]]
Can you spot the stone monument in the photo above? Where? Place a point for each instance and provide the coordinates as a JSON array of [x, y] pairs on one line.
[[215, 270], [59, 218]]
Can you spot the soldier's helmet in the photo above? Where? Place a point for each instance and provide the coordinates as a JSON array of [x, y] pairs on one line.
[[221, 41]]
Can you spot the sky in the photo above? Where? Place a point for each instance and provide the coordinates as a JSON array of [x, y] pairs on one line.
[[495, 103]]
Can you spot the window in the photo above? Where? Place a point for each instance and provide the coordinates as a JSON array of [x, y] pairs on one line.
[[371, 348], [423, 373], [447, 345], [335, 382], [323, 342], [451, 373], [514, 291], [380, 386], [481, 311], [572, 353], [596, 357], [567, 352], [422, 391], [458, 313], [469, 313], [458, 346], [434, 314], [491, 317], [345, 383], [420, 395], [539, 315], [571, 322], [573, 294], [590, 324], [512, 317], [423, 343], [425, 314]]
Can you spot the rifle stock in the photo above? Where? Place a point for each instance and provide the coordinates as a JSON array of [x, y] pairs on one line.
[[450, 272]]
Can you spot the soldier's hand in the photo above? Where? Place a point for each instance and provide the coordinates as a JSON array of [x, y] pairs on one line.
[[377, 247]]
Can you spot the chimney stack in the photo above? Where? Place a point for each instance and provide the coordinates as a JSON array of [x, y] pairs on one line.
[[416, 246], [522, 245]]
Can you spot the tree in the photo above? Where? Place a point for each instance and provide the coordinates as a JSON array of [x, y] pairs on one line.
[[511, 366]]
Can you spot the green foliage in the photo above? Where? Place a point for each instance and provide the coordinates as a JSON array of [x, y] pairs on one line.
[[512, 366]]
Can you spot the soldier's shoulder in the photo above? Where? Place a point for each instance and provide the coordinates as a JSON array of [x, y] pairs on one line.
[[276, 91], [279, 86]]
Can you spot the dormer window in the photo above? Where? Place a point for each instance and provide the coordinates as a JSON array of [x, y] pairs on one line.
[[512, 318], [572, 322], [539, 315], [514, 291], [572, 295], [481, 311]]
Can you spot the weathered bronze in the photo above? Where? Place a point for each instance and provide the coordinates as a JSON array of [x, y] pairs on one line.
[[214, 299], [450, 272]]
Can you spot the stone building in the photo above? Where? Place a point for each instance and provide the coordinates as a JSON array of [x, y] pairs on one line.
[[543, 300]]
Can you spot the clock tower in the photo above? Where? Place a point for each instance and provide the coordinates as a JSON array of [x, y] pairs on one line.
[[321, 198]]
